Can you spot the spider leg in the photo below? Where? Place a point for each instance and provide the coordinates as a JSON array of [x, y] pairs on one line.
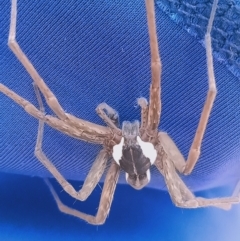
[[154, 110], [172, 151], [173, 154], [183, 197], [105, 201], [194, 151], [91, 180], [50, 98], [48, 94], [55, 122], [93, 176]]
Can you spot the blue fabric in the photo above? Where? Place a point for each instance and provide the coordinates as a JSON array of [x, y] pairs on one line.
[[97, 52], [193, 15], [135, 215]]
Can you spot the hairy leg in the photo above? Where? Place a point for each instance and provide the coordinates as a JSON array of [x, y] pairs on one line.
[[51, 99], [105, 201], [167, 143], [55, 122], [194, 151], [183, 197], [154, 110], [93, 176]]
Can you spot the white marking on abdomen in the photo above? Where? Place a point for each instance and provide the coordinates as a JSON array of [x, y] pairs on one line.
[[148, 175], [148, 150], [117, 151]]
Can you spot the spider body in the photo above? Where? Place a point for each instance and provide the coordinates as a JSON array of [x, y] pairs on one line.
[[134, 156], [134, 148]]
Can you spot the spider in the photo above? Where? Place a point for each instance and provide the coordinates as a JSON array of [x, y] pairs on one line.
[[135, 147]]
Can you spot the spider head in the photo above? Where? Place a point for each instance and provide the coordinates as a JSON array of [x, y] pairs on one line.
[[134, 156], [130, 132]]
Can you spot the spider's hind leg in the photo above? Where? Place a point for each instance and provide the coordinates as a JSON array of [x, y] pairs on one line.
[[183, 197], [105, 201], [94, 174]]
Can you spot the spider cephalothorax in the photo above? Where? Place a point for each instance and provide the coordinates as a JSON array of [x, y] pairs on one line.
[[134, 148], [134, 156]]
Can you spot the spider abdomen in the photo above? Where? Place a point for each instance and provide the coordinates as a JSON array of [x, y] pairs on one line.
[[135, 157], [133, 160]]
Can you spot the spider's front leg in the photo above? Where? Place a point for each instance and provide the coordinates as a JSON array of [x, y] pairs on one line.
[[14, 46], [169, 146], [56, 123], [85, 126], [154, 109], [194, 151]]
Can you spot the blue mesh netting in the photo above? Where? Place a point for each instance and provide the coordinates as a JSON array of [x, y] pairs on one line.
[[98, 51], [193, 16]]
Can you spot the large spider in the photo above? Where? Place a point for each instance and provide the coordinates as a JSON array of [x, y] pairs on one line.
[[134, 147]]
